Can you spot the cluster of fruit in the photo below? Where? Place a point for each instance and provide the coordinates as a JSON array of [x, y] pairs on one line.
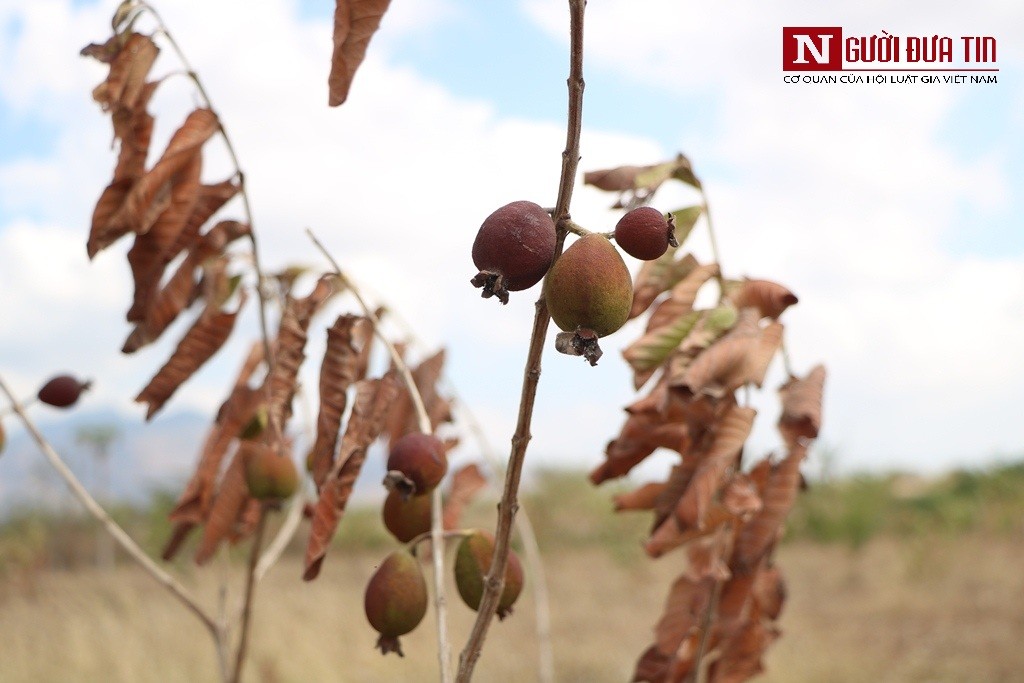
[[588, 289], [396, 596]]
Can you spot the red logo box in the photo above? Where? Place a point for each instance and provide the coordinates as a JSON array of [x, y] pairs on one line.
[[812, 48]]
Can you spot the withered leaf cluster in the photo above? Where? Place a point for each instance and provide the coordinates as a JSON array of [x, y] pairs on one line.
[[165, 208], [355, 22], [693, 364]]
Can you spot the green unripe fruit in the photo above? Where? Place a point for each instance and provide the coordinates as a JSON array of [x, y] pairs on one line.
[[256, 425], [268, 475], [421, 458], [513, 249], [589, 287], [407, 518], [473, 561], [396, 599]]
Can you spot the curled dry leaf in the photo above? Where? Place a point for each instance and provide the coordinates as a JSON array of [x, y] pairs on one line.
[[759, 534], [337, 373], [373, 398], [206, 336], [228, 504], [681, 296], [687, 600], [801, 406], [769, 591], [151, 194], [640, 435], [402, 418], [643, 497], [128, 69], [150, 253], [729, 436], [650, 351], [289, 349], [619, 179], [193, 505], [467, 482], [769, 298], [742, 654], [659, 276], [669, 535], [734, 360], [355, 22]]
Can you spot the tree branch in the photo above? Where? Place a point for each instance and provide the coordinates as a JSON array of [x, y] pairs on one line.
[[531, 376]]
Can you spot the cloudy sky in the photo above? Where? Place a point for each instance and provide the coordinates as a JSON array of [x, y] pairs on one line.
[[892, 210]]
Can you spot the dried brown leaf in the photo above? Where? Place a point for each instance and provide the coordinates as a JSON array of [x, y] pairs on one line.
[[179, 534], [232, 495], [206, 336], [147, 255], [402, 419], [338, 371], [741, 656], [801, 406], [151, 194], [769, 591], [643, 497], [653, 666], [365, 424], [769, 298], [681, 297], [289, 349], [467, 482], [758, 535], [237, 410], [641, 434], [619, 179], [669, 535], [687, 600], [728, 438], [659, 276], [355, 22], [127, 75]]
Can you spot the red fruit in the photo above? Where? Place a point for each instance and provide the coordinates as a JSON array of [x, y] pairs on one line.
[[473, 561], [645, 233], [422, 461], [268, 475], [513, 249], [62, 391], [407, 518], [396, 599]]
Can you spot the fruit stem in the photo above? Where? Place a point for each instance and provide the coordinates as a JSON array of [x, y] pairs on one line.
[[494, 583]]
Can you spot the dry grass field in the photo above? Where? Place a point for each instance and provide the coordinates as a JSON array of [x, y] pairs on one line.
[[929, 606]]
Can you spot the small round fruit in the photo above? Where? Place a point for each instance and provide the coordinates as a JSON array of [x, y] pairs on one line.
[[268, 475], [62, 391], [473, 561], [513, 249], [396, 599], [407, 518], [644, 233], [421, 459], [589, 287]]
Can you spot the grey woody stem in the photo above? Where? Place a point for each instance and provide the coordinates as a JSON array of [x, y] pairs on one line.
[[531, 376]]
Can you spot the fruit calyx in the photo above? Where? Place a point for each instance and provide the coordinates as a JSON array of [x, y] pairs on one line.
[[581, 342]]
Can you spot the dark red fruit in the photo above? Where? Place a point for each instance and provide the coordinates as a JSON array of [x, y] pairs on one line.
[[513, 249], [396, 599], [421, 460], [62, 391], [407, 518], [473, 561], [268, 475], [645, 233]]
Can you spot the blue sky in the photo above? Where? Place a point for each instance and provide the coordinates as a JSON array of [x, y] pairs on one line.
[[892, 212]]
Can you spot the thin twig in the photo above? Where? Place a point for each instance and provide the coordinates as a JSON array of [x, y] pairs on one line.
[[715, 254], [495, 580], [284, 536], [436, 519], [126, 542], [245, 626]]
